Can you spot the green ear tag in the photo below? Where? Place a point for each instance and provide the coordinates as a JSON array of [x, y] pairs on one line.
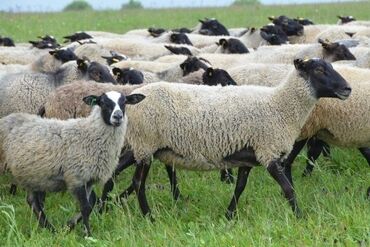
[[93, 102]]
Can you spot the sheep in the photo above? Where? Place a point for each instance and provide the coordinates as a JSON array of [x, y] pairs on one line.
[[114, 57], [248, 138], [26, 92], [20, 55], [93, 52], [45, 42], [66, 155], [6, 41], [128, 76], [232, 46], [350, 20]]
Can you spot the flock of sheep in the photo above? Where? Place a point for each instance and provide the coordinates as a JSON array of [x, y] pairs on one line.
[[209, 98]]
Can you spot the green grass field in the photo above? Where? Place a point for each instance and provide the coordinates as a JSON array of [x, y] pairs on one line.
[[336, 212]]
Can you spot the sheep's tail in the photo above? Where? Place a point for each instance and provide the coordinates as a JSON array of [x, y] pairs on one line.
[[41, 111]]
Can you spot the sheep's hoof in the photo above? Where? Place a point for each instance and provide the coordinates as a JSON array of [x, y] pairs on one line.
[[229, 214]]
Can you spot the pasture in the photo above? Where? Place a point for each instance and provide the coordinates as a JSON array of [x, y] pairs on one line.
[[336, 211]]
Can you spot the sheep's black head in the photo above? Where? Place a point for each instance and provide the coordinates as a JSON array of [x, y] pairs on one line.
[[335, 51], [6, 41], [63, 55], [47, 37], [324, 80], [178, 50], [77, 36], [273, 34], [212, 27], [156, 32], [95, 71], [180, 38], [44, 44], [114, 58], [233, 46], [213, 77], [112, 105], [346, 19], [182, 30], [128, 76], [303, 21], [289, 26], [192, 64]]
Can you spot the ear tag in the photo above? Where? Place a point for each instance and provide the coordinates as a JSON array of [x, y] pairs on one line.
[[93, 102], [115, 60], [306, 59]]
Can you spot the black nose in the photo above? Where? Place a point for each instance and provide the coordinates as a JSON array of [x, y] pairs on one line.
[[118, 115]]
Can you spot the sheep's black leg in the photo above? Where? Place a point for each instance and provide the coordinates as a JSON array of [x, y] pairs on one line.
[[127, 192], [13, 189], [83, 197], [276, 171], [173, 181], [33, 199], [227, 176], [314, 148], [125, 161], [297, 147], [78, 217], [139, 179], [241, 181], [366, 153]]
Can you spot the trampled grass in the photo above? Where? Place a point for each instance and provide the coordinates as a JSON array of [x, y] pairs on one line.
[[336, 211]]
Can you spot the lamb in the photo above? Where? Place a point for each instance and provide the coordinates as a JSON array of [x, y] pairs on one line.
[[256, 142], [26, 92], [66, 155]]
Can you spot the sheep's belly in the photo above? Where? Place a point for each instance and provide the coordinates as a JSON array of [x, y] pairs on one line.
[[49, 184], [169, 157]]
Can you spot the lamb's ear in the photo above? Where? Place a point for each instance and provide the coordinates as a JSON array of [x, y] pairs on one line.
[[209, 71], [116, 71], [91, 100], [300, 64], [134, 98], [82, 64]]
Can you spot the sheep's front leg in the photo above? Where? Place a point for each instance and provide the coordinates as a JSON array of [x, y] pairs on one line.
[[241, 182], [36, 201], [78, 217], [277, 172], [141, 173], [297, 147], [83, 196]]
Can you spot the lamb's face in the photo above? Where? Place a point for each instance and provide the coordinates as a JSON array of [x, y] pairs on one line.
[[112, 105], [213, 77], [128, 76], [323, 79]]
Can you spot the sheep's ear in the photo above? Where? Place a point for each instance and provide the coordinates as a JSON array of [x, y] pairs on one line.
[[253, 29], [271, 18], [209, 71], [173, 37], [82, 64], [300, 64], [116, 71], [201, 21], [350, 34], [91, 100], [223, 42], [53, 52], [325, 44], [134, 98], [339, 17]]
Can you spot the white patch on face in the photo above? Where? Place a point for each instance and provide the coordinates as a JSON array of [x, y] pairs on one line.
[[114, 96]]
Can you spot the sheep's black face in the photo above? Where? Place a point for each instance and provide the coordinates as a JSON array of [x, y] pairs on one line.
[[6, 41], [303, 21], [44, 44], [192, 64], [178, 50], [346, 19], [212, 27], [273, 34], [130, 76], [64, 55], [213, 77], [180, 38], [233, 46], [112, 105], [77, 36], [47, 37], [99, 73], [324, 80], [289, 26], [337, 52], [114, 58], [182, 30], [156, 32]]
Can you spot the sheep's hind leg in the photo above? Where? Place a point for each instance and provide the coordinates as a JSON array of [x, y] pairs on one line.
[[277, 172], [36, 201], [78, 217], [171, 171], [297, 147], [227, 176], [315, 147], [241, 182], [125, 161], [139, 179], [13, 189]]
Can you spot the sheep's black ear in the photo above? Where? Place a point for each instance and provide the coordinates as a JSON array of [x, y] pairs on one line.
[[271, 18], [209, 71], [116, 71], [173, 37], [339, 17], [91, 100], [325, 44], [253, 29], [223, 42], [53, 52], [201, 21], [134, 98], [349, 34], [82, 64], [300, 64]]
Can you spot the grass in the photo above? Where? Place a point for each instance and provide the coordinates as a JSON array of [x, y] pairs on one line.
[[332, 199]]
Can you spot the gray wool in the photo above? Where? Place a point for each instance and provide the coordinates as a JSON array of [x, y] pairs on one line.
[[193, 122], [53, 155]]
